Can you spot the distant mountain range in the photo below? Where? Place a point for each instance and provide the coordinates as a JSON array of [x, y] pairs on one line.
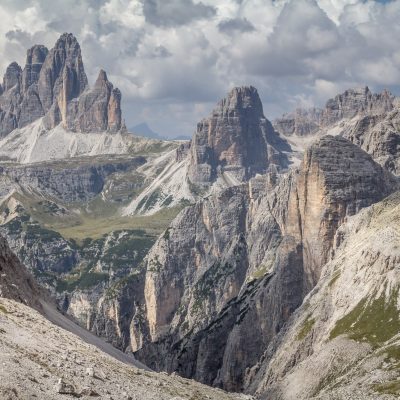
[[143, 129]]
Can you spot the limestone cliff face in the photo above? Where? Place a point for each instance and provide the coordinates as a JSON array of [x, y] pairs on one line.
[[342, 342], [336, 180], [97, 109], [379, 135], [54, 85], [236, 139], [356, 101], [223, 279], [15, 281], [369, 120], [301, 122], [349, 104], [69, 183], [62, 78]]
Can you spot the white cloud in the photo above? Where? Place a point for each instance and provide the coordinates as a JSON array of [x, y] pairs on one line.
[[173, 60]]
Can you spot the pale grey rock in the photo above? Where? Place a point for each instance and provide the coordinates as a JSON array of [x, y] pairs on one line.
[[226, 260], [237, 139], [35, 58], [301, 122], [50, 86], [98, 109], [16, 282], [369, 120], [12, 76], [68, 182], [63, 387], [331, 348], [356, 101], [379, 135], [37, 346], [347, 105], [62, 76]]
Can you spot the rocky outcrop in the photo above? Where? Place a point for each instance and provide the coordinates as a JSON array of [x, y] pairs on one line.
[[12, 76], [358, 101], [379, 135], [369, 120], [62, 78], [54, 85], [236, 140], [336, 180], [66, 182], [301, 122], [343, 341], [227, 274], [16, 283], [349, 104], [35, 58], [98, 109]]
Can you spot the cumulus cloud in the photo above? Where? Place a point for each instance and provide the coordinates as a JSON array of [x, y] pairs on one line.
[[175, 12], [174, 59], [236, 25]]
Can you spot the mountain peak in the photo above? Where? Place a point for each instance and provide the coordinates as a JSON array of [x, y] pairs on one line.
[[12, 76], [241, 99], [54, 85], [236, 137], [101, 78], [67, 40]]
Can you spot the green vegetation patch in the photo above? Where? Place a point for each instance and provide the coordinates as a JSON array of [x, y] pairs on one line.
[[392, 387], [96, 227], [335, 277], [129, 250], [214, 276], [114, 290], [85, 280], [373, 320], [306, 328], [3, 309]]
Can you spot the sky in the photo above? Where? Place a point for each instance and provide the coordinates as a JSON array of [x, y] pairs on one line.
[[174, 59]]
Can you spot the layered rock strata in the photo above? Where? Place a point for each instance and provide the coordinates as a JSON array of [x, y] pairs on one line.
[[236, 140]]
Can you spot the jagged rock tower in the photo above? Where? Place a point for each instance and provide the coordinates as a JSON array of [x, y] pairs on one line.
[[54, 85], [236, 139]]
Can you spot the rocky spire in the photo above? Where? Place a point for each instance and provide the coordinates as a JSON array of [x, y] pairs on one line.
[[62, 76], [12, 76], [235, 137], [35, 58], [53, 84], [98, 109]]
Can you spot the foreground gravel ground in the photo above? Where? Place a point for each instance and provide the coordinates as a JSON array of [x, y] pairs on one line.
[[39, 360]]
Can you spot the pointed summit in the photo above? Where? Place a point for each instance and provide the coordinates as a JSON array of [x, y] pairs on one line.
[[35, 57], [62, 76], [102, 77], [54, 85], [12, 76]]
